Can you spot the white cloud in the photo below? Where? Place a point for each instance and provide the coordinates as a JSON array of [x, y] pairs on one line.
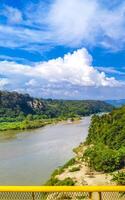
[[3, 83], [75, 69], [110, 70], [32, 83], [77, 22], [72, 23], [13, 14]]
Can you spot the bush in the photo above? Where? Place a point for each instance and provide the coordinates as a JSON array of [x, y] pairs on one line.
[[67, 181], [55, 181], [74, 169], [60, 170], [71, 162], [101, 158], [119, 178], [57, 171]]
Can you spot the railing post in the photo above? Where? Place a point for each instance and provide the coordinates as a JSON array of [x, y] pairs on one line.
[[90, 195], [100, 195], [33, 196]]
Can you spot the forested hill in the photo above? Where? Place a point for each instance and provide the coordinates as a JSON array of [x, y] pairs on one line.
[[106, 142], [13, 104], [108, 129]]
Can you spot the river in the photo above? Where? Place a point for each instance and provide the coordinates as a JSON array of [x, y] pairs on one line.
[[29, 157]]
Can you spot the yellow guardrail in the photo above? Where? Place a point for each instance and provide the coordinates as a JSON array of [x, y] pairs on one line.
[[62, 192], [62, 188]]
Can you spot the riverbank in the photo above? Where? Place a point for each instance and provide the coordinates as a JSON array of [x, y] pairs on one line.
[[77, 172], [101, 155], [32, 124]]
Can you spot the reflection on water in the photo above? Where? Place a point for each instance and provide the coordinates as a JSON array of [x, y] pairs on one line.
[[29, 157]]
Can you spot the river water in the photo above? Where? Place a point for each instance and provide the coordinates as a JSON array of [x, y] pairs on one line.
[[29, 157]]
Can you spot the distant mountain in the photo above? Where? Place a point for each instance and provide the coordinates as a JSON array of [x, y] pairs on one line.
[[13, 104], [116, 103]]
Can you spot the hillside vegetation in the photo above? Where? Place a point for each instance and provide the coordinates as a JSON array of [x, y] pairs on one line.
[[20, 111], [108, 129], [13, 104], [106, 143]]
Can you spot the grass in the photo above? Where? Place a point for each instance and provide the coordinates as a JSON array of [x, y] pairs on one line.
[[23, 125], [27, 124]]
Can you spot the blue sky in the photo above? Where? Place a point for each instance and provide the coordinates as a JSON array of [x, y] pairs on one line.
[[71, 49]]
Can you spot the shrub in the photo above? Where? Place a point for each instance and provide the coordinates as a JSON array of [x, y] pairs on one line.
[[55, 181], [119, 178], [57, 171], [71, 162], [74, 169], [67, 181], [101, 158]]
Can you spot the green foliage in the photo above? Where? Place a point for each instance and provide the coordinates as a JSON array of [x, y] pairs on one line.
[[119, 178], [102, 158], [74, 169], [55, 181], [29, 117], [57, 171], [20, 111], [106, 141], [13, 104], [21, 125], [81, 197], [108, 129], [67, 181], [73, 108], [71, 162], [60, 170]]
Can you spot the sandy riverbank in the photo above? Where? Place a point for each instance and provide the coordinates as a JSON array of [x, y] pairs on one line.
[[85, 177], [82, 174]]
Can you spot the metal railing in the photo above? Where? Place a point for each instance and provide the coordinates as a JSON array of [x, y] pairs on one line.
[[62, 192]]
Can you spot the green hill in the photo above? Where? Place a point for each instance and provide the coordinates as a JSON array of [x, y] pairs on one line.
[[108, 129], [21, 111], [106, 142], [12, 104]]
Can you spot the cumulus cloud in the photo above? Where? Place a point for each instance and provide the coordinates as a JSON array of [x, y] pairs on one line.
[[3, 83], [75, 68], [72, 76]]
